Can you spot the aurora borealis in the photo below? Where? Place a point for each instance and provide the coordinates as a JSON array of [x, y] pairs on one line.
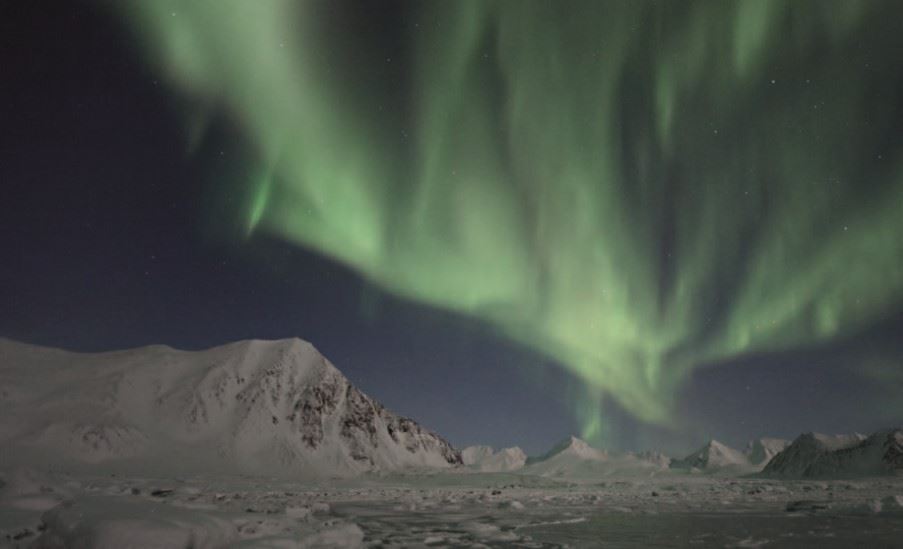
[[634, 189]]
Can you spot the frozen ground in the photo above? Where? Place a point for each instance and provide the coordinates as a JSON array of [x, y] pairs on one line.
[[448, 509]]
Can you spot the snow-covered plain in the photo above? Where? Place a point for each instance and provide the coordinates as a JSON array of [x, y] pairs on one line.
[[266, 444], [447, 509]]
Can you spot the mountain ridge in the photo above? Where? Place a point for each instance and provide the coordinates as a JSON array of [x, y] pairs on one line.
[[814, 455], [713, 456], [261, 406]]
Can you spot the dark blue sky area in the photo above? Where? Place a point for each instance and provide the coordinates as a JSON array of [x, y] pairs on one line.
[[109, 241]]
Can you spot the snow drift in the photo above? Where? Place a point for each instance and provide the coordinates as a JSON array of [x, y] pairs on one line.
[[264, 407]]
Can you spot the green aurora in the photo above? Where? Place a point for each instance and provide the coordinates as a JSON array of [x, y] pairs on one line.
[[634, 189]]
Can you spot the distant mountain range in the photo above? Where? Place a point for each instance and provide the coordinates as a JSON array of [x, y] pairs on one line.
[[810, 455], [718, 457], [279, 407], [575, 458]]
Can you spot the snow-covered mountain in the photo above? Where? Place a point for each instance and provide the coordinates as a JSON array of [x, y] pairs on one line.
[[254, 406], [714, 456], [473, 455], [575, 458], [814, 455], [761, 450], [487, 460]]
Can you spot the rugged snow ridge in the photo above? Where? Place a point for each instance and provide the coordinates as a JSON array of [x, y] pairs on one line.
[[487, 460], [711, 457], [258, 406], [814, 455]]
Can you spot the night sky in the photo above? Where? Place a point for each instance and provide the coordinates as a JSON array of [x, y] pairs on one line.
[[646, 223]]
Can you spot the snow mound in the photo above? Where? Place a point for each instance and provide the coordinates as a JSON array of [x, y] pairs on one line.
[[31, 490], [760, 451], [575, 458], [813, 455], [485, 459], [268, 407], [714, 456], [95, 522]]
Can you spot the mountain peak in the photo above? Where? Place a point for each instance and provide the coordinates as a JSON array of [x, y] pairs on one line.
[[821, 456], [573, 445], [254, 405], [713, 455]]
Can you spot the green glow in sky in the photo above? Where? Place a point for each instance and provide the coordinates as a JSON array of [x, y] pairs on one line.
[[634, 189]]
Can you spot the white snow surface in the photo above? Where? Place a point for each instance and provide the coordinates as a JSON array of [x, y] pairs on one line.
[[449, 509], [487, 460], [260, 407]]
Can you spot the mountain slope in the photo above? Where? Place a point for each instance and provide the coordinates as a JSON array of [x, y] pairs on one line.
[[813, 455], [761, 450], [714, 456], [254, 406]]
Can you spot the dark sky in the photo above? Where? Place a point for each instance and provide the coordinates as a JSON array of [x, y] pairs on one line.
[[108, 226]]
